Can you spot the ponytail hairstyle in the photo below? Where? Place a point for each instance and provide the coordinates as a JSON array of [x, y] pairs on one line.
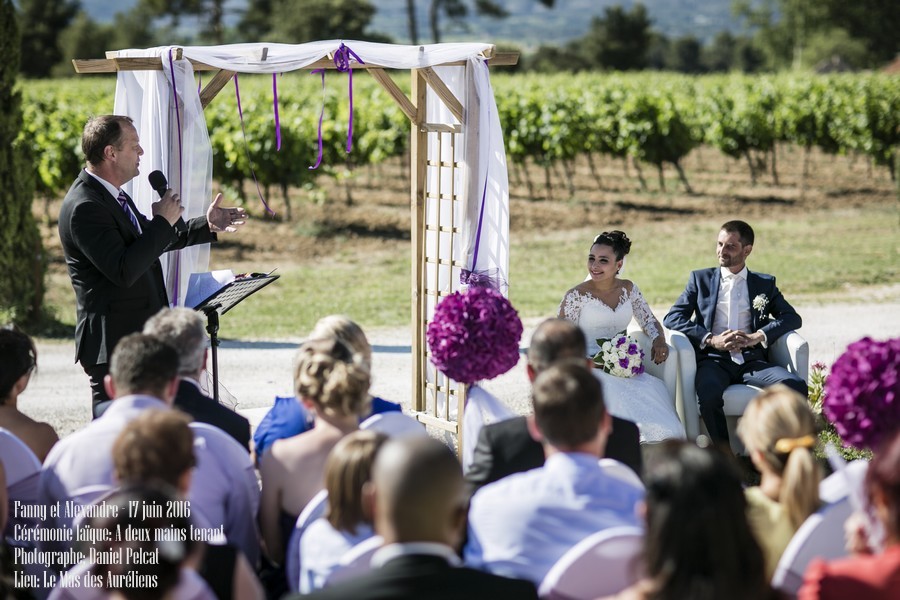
[[617, 240], [332, 377], [780, 425]]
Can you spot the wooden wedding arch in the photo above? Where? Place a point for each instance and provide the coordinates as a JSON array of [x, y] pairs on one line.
[[435, 199]]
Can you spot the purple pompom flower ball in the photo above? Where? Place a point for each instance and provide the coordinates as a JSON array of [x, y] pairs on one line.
[[474, 335], [862, 394]]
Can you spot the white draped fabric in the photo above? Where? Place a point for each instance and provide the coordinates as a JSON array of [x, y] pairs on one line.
[[147, 97]]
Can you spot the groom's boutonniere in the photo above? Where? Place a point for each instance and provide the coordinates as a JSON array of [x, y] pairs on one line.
[[760, 303]]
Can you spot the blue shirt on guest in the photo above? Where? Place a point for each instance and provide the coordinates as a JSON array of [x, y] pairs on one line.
[[522, 524]]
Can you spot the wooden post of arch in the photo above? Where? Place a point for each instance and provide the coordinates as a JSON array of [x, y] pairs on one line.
[[433, 209]]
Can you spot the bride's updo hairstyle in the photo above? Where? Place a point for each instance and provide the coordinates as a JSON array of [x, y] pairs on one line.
[[617, 240], [333, 377]]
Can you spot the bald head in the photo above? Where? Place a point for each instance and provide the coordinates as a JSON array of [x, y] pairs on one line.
[[419, 492], [554, 340]]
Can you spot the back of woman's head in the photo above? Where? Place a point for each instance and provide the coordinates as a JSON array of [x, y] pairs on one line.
[[18, 356], [332, 377], [699, 544], [142, 508], [779, 425], [348, 468], [345, 330], [883, 481]]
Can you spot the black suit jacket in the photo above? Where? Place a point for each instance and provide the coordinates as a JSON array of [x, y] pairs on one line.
[[420, 576], [694, 311], [115, 271], [507, 447], [206, 410]]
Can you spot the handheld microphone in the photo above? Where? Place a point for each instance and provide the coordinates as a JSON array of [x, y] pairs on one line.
[[160, 184]]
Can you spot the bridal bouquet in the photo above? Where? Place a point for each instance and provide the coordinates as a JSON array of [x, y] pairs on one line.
[[620, 356]]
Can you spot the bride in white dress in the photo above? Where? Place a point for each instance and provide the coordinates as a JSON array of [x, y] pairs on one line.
[[602, 306]]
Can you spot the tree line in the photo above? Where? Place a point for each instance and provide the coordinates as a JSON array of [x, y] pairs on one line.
[[777, 35], [548, 121]]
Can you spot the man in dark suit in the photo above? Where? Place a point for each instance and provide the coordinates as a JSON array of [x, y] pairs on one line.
[[419, 502], [515, 445], [184, 330], [112, 250], [731, 315]]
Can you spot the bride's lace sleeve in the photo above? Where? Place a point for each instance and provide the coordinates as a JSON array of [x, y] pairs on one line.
[[570, 307], [642, 313]]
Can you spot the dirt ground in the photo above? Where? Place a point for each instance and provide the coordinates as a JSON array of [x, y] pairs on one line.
[[377, 216]]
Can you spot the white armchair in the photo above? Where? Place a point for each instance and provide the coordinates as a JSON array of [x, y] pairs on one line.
[[790, 351], [667, 371]]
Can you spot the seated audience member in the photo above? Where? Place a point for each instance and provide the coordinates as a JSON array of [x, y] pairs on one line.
[[157, 448], [779, 431], [514, 445], [521, 525], [869, 575], [347, 520], [420, 510], [332, 381], [184, 329], [18, 359], [698, 543], [287, 417], [143, 375], [160, 568]]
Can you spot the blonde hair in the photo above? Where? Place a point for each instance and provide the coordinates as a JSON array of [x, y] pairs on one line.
[[344, 329], [333, 377], [780, 425], [348, 467]]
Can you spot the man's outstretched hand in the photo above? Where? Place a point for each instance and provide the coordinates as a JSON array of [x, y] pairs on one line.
[[224, 219]]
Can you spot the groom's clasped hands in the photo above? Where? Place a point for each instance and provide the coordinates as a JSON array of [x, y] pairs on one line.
[[732, 340]]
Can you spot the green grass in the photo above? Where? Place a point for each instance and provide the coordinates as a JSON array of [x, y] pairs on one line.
[[820, 256]]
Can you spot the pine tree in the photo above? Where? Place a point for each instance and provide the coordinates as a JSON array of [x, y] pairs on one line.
[[21, 254]]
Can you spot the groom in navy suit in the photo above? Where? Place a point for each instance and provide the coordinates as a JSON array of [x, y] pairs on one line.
[[731, 315]]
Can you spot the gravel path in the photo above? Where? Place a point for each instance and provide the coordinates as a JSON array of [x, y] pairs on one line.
[[256, 371]]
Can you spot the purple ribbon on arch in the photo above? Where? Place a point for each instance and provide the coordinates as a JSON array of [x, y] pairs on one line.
[[237, 95], [177, 284], [342, 63]]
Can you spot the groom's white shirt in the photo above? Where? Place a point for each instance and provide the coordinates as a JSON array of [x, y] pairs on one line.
[[739, 281]]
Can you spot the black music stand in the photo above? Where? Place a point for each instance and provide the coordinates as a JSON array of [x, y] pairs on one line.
[[219, 303]]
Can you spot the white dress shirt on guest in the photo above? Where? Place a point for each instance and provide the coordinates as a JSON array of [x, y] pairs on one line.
[[84, 460], [224, 489], [321, 549], [521, 525]]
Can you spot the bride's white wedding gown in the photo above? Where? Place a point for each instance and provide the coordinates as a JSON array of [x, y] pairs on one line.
[[643, 399]]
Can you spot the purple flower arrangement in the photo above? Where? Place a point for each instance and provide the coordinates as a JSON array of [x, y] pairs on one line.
[[862, 393], [620, 356], [474, 335]]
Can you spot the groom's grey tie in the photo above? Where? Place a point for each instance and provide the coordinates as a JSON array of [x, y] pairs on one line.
[[733, 308]]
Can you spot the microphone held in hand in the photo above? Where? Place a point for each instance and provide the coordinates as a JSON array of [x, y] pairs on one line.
[[159, 183]]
